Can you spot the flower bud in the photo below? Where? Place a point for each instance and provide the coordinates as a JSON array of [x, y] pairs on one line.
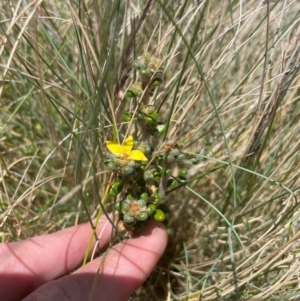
[[132, 164], [188, 163], [111, 165], [141, 203], [174, 152], [142, 216], [127, 170], [128, 219], [169, 158], [181, 157]]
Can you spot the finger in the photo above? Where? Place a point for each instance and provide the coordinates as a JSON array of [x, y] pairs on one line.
[[125, 267], [26, 265]]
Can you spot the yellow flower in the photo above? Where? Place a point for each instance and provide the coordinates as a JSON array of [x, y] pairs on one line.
[[125, 151]]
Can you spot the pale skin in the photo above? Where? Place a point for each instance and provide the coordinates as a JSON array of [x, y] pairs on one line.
[[38, 268]]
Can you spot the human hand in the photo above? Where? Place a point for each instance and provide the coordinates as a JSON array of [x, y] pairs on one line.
[[32, 266]]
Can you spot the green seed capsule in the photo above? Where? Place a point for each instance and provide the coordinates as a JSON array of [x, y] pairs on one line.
[[127, 170], [148, 174], [162, 170], [144, 196], [174, 152], [140, 115], [159, 158], [169, 158], [156, 175], [134, 90], [111, 165], [130, 93], [165, 171], [149, 121], [153, 115], [156, 82], [195, 160], [188, 163], [144, 164], [141, 203], [129, 197], [126, 117], [118, 206], [161, 127], [181, 157], [158, 78], [182, 179], [132, 164], [142, 216], [128, 219], [145, 73], [172, 183], [151, 209], [168, 172], [159, 215], [183, 172], [157, 198], [115, 189]]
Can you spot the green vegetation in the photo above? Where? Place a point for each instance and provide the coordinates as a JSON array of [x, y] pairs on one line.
[[229, 97]]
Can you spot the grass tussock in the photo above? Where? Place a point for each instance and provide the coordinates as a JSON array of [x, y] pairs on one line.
[[230, 96]]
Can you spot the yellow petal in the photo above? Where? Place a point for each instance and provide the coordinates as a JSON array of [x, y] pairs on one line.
[[137, 155], [115, 148], [127, 145]]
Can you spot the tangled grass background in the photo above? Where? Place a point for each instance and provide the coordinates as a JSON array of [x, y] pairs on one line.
[[230, 92]]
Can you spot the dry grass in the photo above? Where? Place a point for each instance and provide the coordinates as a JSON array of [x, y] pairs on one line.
[[230, 94]]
